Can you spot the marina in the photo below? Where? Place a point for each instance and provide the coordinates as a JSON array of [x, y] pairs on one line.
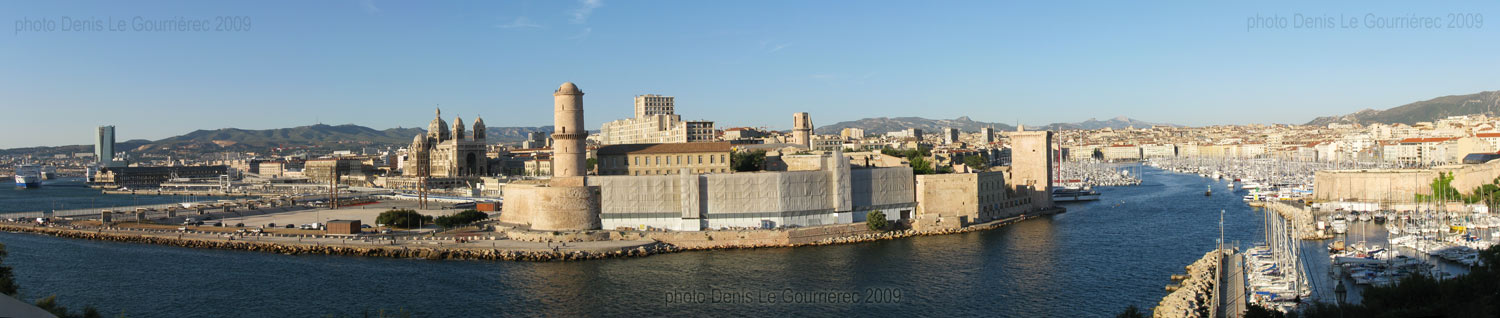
[[1018, 262]]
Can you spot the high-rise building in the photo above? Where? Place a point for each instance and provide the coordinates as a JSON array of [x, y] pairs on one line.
[[852, 133], [651, 105], [950, 135], [655, 121], [536, 139], [986, 135], [104, 146]]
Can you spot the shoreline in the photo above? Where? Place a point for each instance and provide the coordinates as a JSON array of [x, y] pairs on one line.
[[423, 249]]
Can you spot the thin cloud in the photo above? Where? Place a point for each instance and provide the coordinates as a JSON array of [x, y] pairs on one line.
[[582, 35], [586, 7], [369, 6], [778, 47], [520, 23]]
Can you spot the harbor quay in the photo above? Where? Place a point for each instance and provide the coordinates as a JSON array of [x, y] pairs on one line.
[[478, 243]]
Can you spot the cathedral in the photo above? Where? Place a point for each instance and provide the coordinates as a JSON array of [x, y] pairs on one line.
[[441, 153]]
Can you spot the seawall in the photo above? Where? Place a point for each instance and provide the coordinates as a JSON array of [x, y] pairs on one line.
[[1193, 298], [652, 243], [1302, 219]]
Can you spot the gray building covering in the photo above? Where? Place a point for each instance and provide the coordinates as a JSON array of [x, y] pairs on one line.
[[691, 202]]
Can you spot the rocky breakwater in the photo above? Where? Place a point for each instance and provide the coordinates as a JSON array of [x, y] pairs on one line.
[[392, 251], [1302, 219], [1193, 297]]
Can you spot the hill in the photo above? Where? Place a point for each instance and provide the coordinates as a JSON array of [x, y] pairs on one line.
[[1121, 122], [882, 125], [1482, 103], [326, 134]]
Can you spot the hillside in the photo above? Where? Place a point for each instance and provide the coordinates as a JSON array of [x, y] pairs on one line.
[[882, 125], [1482, 103], [326, 134], [1121, 122]]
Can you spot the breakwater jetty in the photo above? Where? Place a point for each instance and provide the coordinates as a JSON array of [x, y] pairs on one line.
[[1302, 219], [1193, 297]]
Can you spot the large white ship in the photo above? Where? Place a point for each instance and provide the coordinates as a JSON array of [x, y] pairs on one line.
[[28, 176]]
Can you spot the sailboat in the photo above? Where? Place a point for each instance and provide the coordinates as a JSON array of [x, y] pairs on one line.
[[1209, 192]]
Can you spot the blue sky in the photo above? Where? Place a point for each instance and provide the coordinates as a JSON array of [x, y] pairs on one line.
[[386, 64]]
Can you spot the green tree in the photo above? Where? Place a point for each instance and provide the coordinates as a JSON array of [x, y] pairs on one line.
[[891, 152], [976, 162], [7, 278], [1131, 312], [920, 165], [402, 218], [592, 162], [461, 218], [748, 161], [1442, 190], [876, 220]]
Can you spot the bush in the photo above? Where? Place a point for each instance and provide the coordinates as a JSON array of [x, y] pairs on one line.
[[748, 161], [461, 218], [876, 220], [402, 218]]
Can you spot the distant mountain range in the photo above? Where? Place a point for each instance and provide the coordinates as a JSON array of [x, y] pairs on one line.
[[1121, 122], [1482, 103], [326, 134], [881, 125], [250, 139]]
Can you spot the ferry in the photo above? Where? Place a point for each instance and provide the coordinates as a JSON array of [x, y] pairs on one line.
[[1069, 194], [28, 176]]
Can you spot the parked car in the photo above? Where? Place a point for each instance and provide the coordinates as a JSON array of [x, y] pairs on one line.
[[291, 226]]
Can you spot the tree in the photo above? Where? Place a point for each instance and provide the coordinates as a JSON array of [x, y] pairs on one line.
[[976, 162], [1131, 312], [7, 278], [1442, 189], [461, 218], [402, 218], [890, 152], [920, 165], [592, 162], [748, 161], [876, 220]]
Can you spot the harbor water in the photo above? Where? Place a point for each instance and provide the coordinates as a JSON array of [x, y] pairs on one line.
[[75, 195], [1092, 261]]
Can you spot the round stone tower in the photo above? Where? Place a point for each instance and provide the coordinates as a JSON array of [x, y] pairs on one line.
[[568, 133]]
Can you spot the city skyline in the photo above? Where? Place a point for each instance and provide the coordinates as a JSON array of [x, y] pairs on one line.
[[376, 63]]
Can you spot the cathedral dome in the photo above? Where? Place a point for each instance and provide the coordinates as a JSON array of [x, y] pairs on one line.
[[438, 129]]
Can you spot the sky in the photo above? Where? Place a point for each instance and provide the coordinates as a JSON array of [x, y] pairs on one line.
[[65, 69]]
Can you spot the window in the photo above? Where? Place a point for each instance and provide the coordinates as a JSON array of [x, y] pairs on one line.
[[710, 158], [637, 160], [700, 159]]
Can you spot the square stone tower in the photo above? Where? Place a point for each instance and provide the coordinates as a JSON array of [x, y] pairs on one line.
[[1031, 156]]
